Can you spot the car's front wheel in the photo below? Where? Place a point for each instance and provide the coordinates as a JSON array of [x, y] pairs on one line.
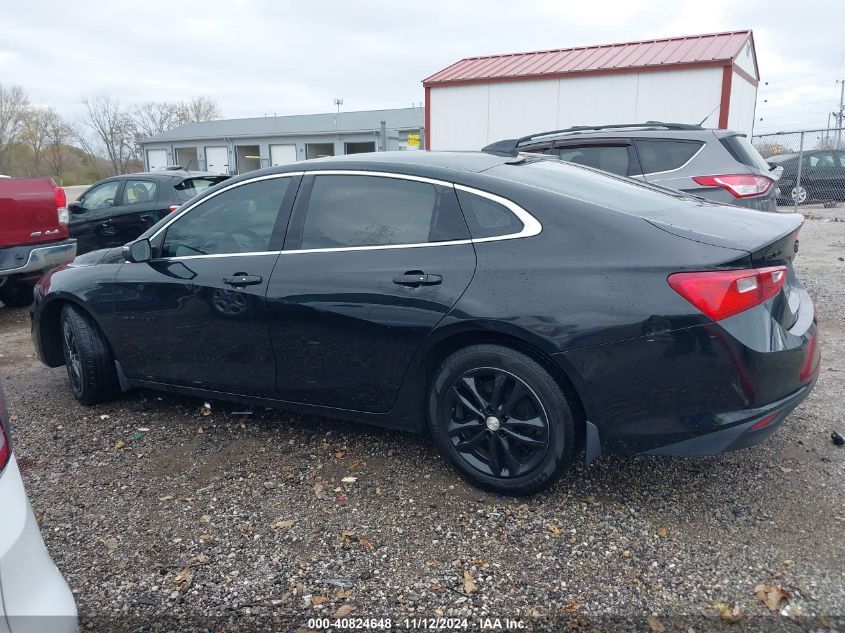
[[501, 420], [88, 358]]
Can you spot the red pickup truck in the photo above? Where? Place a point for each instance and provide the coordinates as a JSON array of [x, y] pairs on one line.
[[33, 235]]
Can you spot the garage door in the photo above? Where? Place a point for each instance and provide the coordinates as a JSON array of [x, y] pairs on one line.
[[217, 160], [156, 159], [282, 154]]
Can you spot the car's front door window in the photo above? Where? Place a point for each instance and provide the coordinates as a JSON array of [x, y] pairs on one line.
[[101, 196], [238, 220]]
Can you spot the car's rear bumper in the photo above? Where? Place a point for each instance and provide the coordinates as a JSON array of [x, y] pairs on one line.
[[31, 260], [697, 390], [741, 429], [35, 597]]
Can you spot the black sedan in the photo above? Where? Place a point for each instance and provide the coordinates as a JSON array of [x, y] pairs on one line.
[[822, 176], [520, 308], [117, 210]]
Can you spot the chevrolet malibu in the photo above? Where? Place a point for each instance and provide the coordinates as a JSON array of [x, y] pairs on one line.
[[521, 308], [34, 598]]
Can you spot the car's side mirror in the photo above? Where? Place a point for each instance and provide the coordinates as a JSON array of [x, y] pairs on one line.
[[76, 207], [138, 251]]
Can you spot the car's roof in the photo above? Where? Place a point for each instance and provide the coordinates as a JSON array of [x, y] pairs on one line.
[[173, 173], [464, 161]]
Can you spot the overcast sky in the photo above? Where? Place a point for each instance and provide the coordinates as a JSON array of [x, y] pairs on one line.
[[282, 57]]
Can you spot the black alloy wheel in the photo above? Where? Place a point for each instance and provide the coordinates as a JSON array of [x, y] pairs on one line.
[[501, 420], [497, 422]]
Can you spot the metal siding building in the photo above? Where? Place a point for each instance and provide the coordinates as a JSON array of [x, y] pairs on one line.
[[710, 78], [231, 146]]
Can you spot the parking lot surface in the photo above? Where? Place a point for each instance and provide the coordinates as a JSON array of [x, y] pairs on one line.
[[167, 515]]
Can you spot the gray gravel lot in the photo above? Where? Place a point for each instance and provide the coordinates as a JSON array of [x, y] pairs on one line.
[[165, 519]]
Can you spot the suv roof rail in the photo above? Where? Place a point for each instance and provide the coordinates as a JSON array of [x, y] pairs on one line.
[[509, 147], [174, 168]]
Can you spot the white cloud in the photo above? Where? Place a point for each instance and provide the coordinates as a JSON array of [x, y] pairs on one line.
[[277, 57]]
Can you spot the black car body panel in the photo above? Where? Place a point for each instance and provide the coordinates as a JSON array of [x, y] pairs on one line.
[[330, 331]]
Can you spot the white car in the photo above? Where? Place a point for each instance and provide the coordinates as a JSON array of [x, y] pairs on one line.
[[35, 597]]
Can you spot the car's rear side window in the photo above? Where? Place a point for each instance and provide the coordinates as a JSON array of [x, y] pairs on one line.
[[612, 158], [664, 154], [487, 218], [353, 211], [744, 152]]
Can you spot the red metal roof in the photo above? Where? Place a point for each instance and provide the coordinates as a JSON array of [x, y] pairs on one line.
[[711, 49]]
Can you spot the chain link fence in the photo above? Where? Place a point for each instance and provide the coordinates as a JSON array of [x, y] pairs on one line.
[[813, 163]]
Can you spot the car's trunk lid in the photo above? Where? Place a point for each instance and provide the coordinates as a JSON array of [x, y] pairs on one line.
[[769, 239]]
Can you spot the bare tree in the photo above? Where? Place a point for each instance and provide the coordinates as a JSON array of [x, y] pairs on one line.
[[36, 135], [155, 117], [59, 136], [202, 109], [13, 108], [114, 130]]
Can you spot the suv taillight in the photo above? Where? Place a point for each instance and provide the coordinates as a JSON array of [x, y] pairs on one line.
[[723, 293], [172, 208], [5, 447], [739, 185], [61, 205]]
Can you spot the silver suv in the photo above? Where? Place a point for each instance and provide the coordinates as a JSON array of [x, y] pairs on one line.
[[719, 165]]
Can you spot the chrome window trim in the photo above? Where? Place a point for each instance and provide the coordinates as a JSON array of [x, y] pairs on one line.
[[530, 225]]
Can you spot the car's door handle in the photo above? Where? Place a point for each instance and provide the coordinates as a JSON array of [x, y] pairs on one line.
[[415, 278], [241, 280]]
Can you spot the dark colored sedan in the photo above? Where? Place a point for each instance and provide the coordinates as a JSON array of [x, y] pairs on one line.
[[117, 210], [822, 176], [521, 308]]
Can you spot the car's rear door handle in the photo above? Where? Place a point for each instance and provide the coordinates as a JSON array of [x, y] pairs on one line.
[[414, 279], [241, 280]]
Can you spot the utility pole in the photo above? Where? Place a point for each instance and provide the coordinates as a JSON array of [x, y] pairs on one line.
[[841, 114], [338, 101]]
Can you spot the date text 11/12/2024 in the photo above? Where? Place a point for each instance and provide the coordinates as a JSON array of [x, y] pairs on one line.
[[430, 624]]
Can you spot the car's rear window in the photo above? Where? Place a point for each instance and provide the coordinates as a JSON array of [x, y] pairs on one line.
[[191, 187], [743, 151], [665, 155], [580, 183]]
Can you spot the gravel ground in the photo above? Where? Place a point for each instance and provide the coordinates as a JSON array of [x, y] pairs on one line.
[[167, 516]]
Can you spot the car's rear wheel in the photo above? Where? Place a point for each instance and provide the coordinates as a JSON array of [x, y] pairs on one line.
[[501, 420], [88, 358]]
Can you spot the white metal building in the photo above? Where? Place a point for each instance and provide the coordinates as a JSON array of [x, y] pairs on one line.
[[708, 79], [234, 146]]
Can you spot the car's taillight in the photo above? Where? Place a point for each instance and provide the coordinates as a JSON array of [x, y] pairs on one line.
[[5, 448], [61, 205], [172, 208], [723, 293], [740, 185]]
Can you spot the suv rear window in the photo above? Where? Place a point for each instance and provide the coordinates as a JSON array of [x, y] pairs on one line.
[[743, 151], [665, 155], [191, 187]]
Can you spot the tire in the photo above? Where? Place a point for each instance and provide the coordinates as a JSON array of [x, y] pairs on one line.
[[799, 195], [526, 440], [16, 295], [88, 358]]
